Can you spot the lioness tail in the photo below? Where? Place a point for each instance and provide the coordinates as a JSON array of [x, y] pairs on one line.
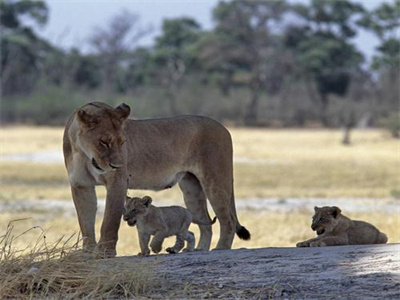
[[243, 233]]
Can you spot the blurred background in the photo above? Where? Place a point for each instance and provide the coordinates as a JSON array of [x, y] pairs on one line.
[[308, 89]]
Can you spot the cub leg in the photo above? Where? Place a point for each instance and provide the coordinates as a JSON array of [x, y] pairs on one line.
[[331, 241], [196, 203], [144, 239], [191, 241], [157, 241], [179, 243], [307, 242], [86, 205]]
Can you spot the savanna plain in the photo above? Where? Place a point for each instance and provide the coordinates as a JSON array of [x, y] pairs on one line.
[[37, 213]]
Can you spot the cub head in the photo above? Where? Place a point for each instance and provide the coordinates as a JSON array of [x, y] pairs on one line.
[[101, 134], [136, 208], [325, 219]]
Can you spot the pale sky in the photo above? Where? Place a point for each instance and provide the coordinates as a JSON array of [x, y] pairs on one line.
[[71, 22]]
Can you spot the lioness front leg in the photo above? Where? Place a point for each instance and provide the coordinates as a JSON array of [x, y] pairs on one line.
[[116, 193], [157, 241], [144, 239], [86, 205]]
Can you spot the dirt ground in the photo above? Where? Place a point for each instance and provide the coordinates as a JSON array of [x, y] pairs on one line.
[[348, 272]]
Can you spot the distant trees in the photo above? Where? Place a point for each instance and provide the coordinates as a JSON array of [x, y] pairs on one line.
[[245, 49], [264, 62], [22, 50], [173, 57], [113, 45], [322, 47]]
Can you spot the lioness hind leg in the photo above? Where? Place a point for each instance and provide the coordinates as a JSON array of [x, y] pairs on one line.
[[190, 240], [196, 203], [220, 202]]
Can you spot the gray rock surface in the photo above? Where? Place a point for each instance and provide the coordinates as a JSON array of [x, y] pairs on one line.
[[348, 272]]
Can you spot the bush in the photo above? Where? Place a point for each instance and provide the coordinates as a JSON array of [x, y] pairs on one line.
[[392, 124]]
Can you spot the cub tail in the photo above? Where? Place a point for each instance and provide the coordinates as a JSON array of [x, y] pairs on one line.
[[198, 222]]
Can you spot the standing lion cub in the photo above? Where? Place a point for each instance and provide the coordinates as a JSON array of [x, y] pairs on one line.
[[161, 222], [335, 229]]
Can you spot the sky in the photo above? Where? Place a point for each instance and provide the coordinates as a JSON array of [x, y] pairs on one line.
[[71, 22]]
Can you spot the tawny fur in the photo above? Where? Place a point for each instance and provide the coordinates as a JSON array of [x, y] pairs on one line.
[[160, 222], [335, 229], [102, 147]]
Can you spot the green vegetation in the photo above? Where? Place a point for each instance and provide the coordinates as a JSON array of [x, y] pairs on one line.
[[256, 67]]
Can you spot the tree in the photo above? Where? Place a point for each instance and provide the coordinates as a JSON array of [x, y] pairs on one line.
[[114, 43], [243, 49], [173, 57], [21, 49], [384, 22], [322, 46]]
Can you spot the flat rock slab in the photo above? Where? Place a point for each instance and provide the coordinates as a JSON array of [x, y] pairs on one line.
[[349, 272]]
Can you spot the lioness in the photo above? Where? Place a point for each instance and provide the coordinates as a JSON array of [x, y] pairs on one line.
[[102, 147], [161, 222], [335, 229]]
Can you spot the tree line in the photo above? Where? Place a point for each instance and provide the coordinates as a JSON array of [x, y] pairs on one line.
[[264, 63]]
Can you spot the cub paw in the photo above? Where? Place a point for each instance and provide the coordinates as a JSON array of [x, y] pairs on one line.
[[317, 244], [302, 244], [146, 253], [171, 250]]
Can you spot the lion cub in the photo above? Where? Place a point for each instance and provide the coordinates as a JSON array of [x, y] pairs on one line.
[[335, 229], [161, 222]]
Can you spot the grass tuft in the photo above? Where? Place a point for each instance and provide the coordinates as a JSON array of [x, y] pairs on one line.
[[60, 270]]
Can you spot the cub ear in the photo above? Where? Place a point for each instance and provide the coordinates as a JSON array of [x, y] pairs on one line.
[[86, 119], [146, 201], [335, 211], [316, 208], [123, 111]]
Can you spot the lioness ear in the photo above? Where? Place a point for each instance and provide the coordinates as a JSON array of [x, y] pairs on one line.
[[86, 119], [123, 111], [335, 211], [146, 201]]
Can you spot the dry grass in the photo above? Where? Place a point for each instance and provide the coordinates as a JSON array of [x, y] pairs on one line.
[[268, 163], [14, 139], [58, 270]]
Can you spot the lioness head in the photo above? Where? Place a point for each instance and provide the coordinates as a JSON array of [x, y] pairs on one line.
[[135, 208], [101, 134], [325, 219]]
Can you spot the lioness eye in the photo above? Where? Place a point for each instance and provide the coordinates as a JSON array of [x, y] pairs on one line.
[[134, 210], [105, 144]]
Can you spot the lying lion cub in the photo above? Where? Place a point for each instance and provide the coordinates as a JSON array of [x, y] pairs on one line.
[[335, 229], [161, 222]]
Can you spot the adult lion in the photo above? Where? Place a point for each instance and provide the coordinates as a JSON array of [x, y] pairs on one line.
[[102, 147]]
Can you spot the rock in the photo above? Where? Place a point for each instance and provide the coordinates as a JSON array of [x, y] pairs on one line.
[[351, 272]]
